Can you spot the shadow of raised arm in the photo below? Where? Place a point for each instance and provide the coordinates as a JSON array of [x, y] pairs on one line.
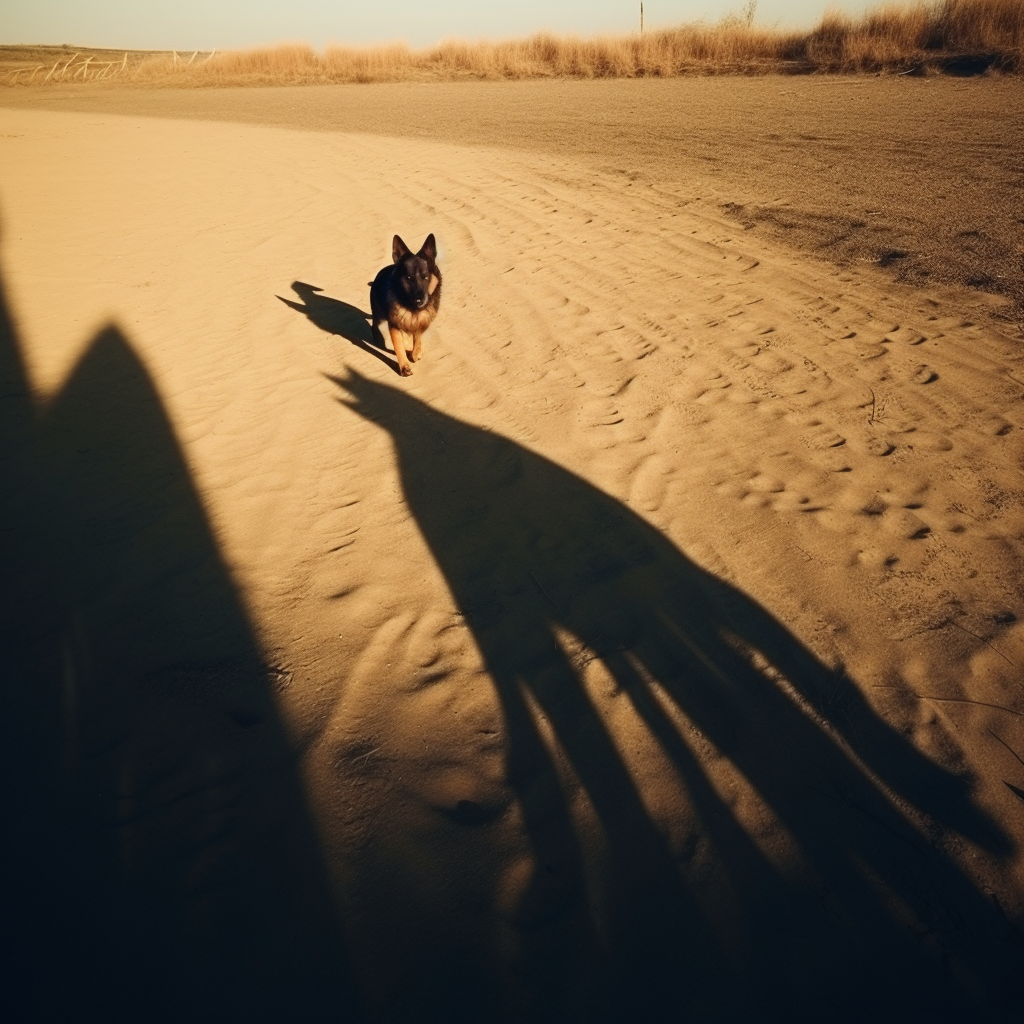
[[538, 559]]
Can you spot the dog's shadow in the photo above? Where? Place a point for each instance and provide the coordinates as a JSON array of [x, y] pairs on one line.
[[341, 318]]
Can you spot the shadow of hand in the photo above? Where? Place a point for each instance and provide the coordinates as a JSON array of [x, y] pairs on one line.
[[532, 554]]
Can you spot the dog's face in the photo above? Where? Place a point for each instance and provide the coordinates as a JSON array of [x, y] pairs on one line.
[[415, 276]]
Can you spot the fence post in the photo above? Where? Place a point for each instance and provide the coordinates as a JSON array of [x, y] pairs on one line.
[[64, 70]]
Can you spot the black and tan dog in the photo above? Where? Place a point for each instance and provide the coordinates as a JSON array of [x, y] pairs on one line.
[[407, 296]]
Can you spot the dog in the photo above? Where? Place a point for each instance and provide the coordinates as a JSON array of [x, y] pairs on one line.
[[406, 296]]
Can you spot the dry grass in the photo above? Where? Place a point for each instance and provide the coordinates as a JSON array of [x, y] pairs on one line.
[[940, 35], [962, 36]]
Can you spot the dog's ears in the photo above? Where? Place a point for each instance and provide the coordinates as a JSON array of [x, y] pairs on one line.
[[429, 249], [398, 249]]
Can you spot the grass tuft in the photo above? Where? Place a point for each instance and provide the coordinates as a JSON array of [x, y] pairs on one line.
[[957, 36]]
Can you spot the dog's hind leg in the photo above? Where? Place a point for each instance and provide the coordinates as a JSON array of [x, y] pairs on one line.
[[398, 341]]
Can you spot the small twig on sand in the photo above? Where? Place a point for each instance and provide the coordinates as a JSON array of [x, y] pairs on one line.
[[1007, 745], [949, 700], [541, 588], [984, 641], [871, 418], [847, 801], [365, 757]]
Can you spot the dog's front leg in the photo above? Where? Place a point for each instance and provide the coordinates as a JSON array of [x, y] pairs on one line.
[[417, 346], [398, 343]]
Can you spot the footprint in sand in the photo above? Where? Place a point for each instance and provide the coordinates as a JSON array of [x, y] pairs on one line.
[[869, 351], [996, 426], [821, 437], [714, 389], [764, 483], [905, 524], [649, 485], [876, 505], [905, 336], [880, 446], [929, 441]]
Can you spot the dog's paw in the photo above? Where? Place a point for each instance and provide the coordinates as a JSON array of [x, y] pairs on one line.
[[406, 370]]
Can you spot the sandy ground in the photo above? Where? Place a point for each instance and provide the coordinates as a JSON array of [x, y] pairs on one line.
[[922, 176], [652, 653]]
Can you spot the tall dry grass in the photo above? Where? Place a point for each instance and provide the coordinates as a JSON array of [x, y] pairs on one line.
[[966, 35], [900, 37]]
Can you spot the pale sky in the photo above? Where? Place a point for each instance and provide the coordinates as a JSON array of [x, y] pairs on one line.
[[225, 24]]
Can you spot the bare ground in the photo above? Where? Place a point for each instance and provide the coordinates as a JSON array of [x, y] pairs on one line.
[[653, 651], [924, 176]]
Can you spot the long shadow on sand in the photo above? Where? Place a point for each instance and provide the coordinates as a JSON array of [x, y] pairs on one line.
[[159, 861], [870, 918], [340, 318]]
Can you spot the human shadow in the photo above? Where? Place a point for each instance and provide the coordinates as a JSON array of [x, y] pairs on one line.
[[550, 572], [160, 861], [337, 317]]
